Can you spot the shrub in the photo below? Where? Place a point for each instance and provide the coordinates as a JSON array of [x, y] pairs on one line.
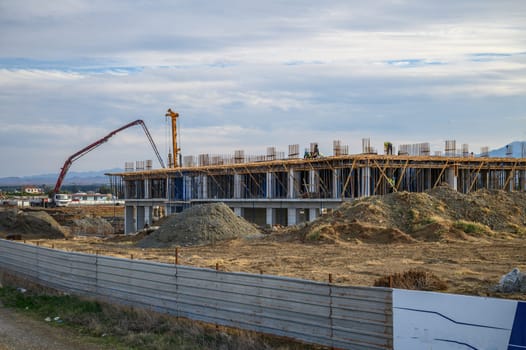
[[415, 279], [470, 227]]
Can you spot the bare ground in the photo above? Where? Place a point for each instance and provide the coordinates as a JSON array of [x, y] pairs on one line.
[[468, 267], [468, 241], [18, 331]]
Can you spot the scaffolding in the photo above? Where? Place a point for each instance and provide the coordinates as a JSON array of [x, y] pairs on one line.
[[347, 176], [277, 189]]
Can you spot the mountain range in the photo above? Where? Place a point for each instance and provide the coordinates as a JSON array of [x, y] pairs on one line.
[[72, 178]]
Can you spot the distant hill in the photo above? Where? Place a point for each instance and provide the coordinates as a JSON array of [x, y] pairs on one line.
[[72, 178], [518, 150]]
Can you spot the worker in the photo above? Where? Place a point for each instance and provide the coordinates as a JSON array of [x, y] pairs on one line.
[[316, 152], [307, 154], [388, 148]]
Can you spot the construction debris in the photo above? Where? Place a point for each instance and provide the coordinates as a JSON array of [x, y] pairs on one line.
[[91, 226], [512, 282], [201, 224]]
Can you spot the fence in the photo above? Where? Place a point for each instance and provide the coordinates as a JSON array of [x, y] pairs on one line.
[[320, 313]]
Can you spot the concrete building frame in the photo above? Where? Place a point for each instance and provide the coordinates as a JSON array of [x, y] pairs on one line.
[[292, 191]]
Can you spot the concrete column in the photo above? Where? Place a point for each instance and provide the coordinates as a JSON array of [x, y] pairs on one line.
[[523, 180], [239, 211], [237, 186], [129, 220], [147, 188], [427, 173], [313, 214], [140, 217], [336, 183], [314, 181], [135, 192], [451, 178], [204, 187], [271, 214], [271, 180], [366, 182], [292, 185], [292, 216], [148, 215], [297, 184], [187, 188], [511, 186]]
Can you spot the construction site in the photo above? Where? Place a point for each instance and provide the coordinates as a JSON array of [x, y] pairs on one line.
[[406, 218], [360, 216], [289, 188]]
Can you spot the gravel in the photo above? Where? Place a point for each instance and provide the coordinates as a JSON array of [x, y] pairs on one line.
[[198, 225]]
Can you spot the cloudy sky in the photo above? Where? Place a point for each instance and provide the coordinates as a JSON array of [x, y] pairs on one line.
[[252, 74]]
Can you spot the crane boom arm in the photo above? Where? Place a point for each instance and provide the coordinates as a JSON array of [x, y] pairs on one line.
[[91, 147]]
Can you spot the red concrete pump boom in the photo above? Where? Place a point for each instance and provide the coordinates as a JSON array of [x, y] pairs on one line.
[[99, 142]]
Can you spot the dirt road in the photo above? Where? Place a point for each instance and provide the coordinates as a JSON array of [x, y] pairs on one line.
[[20, 332]]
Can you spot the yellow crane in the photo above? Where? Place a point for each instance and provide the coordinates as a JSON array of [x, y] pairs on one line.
[[173, 163]]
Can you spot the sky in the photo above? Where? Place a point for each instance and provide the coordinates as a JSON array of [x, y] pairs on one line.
[[247, 75]]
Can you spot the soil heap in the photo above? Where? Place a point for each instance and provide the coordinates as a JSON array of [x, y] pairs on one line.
[[201, 224], [30, 225], [441, 214], [89, 219], [91, 226]]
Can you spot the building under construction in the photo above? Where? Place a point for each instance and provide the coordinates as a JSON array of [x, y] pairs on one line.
[[281, 188]]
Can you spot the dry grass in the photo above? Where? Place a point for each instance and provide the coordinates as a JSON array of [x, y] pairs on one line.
[[124, 327], [415, 279]]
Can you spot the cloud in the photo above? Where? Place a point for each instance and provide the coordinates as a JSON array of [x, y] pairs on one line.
[[247, 75]]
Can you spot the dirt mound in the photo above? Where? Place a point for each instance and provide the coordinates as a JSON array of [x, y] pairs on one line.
[[356, 232], [86, 219], [91, 226], [415, 279], [441, 214], [202, 224], [30, 225]]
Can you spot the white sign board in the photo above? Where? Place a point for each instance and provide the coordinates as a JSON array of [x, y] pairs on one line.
[[439, 321]]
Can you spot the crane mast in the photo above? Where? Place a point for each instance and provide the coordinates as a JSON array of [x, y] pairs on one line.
[[172, 162]]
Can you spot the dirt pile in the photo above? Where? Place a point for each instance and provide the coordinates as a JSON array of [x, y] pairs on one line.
[[202, 224], [30, 225], [88, 219], [91, 226], [441, 214]]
